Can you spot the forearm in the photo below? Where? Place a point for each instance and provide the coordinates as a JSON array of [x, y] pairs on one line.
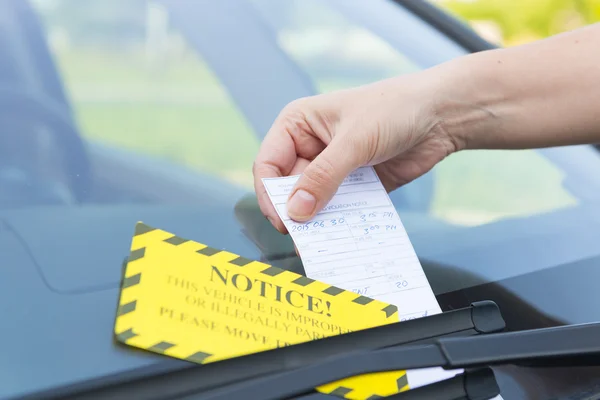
[[538, 95]]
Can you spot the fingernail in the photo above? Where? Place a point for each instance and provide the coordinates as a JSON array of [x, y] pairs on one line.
[[271, 221], [301, 205]]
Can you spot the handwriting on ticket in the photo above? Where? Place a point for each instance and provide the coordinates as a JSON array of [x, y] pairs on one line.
[[358, 242]]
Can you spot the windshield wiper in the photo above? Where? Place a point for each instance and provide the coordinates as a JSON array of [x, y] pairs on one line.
[[572, 345], [197, 381]]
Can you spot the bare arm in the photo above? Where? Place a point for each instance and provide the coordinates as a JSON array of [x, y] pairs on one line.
[[541, 94]]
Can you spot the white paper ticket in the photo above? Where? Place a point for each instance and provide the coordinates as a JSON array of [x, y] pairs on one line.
[[358, 243]]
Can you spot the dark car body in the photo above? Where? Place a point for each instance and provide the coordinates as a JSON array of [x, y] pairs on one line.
[[85, 154]]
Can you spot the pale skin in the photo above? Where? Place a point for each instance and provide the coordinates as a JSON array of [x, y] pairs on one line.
[[541, 94]]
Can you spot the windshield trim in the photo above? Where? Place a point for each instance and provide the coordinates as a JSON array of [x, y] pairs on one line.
[[448, 25]]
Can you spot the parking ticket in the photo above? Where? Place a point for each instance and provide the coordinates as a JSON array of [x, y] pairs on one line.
[[358, 243]]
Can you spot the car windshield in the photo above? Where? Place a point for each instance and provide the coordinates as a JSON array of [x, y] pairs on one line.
[[122, 111]]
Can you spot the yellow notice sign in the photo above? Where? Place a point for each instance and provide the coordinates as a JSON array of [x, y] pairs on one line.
[[189, 301]]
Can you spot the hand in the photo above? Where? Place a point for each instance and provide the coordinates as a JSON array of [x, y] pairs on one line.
[[392, 125]]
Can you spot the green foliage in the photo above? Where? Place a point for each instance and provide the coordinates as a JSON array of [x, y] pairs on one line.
[[519, 19]]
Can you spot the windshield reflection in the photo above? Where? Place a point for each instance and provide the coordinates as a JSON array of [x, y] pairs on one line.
[[153, 112]]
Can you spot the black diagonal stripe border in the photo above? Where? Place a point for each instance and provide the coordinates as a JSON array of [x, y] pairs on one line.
[[136, 254], [161, 347], [402, 382], [390, 310], [333, 291], [142, 228], [272, 271], [208, 251], [303, 281], [175, 240], [126, 335], [362, 300], [198, 357], [240, 261], [131, 281], [340, 391], [127, 308]]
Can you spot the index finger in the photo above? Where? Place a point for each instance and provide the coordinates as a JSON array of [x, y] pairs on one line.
[[276, 158]]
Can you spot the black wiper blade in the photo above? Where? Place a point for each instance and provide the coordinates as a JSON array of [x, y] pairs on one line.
[[301, 380], [573, 345], [479, 318]]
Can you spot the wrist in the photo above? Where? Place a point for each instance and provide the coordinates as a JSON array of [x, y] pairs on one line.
[[467, 101]]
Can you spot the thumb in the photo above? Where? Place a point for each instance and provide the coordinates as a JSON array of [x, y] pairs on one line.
[[321, 179]]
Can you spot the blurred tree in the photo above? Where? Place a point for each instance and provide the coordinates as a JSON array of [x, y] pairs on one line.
[[523, 20]]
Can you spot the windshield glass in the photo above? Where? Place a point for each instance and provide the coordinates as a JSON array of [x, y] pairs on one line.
[[118, 111]]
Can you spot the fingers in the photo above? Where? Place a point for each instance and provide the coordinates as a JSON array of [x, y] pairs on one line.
[[304, 132], [276, 158], [322, 177], [266, 207], [286, 149]]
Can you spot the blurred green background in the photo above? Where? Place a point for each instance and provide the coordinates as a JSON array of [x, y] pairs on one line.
[[512, 22], [136, 84]]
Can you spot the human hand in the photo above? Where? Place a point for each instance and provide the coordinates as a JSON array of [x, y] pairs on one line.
[[393, 125], [496, 99]]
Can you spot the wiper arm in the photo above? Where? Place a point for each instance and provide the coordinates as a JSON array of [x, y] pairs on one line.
[[573, 345], [479, 318]]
